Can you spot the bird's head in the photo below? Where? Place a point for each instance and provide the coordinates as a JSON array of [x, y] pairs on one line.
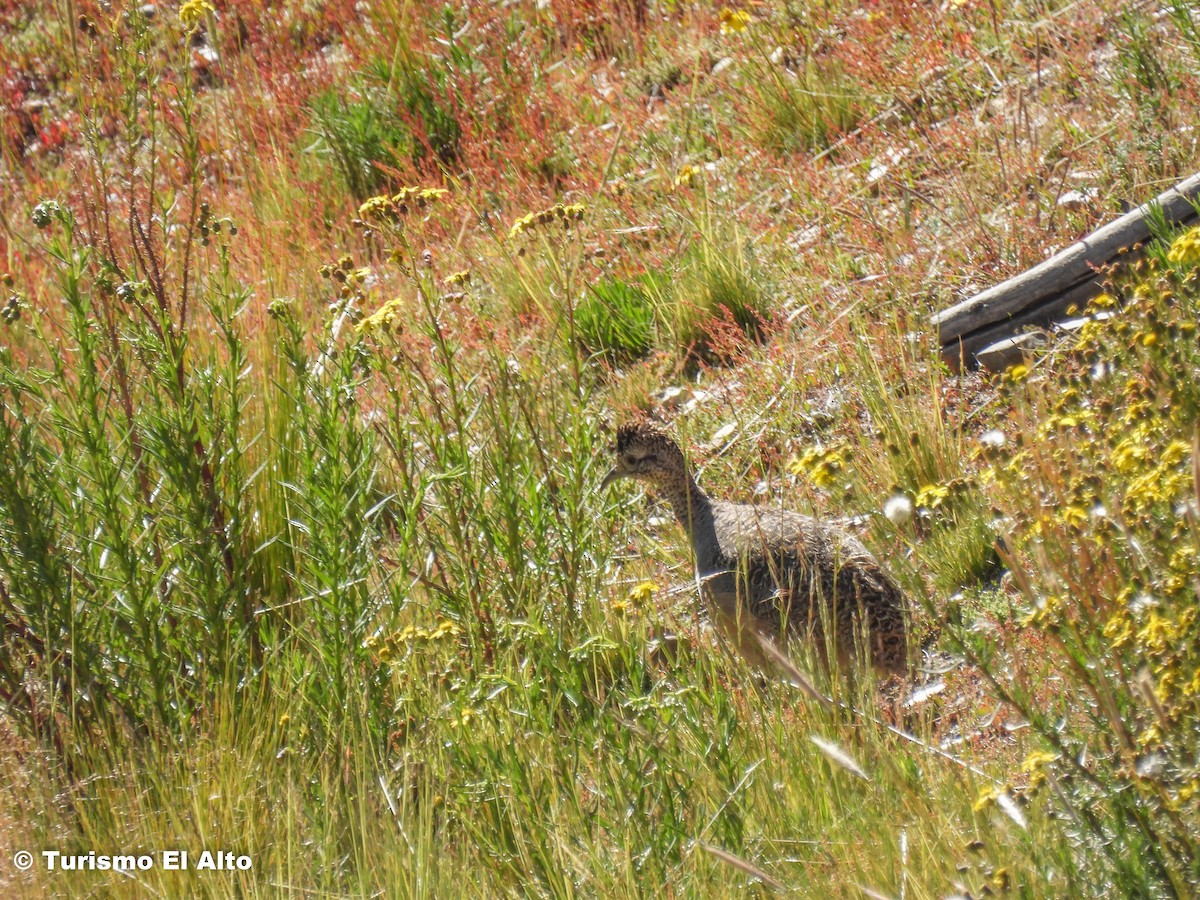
[[645, 453]]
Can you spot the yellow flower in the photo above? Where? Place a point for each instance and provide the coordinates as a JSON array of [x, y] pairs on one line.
[[643, 591], [192, 11], [283, 720], [1046, 613], [1001, 881], [1160, 485], [735, 20], [931, 496], [1129, 453], [381, 208], [1016, 374], [1150, 736], [1119, 630], [1192, 689], [383, 319], [1036, 760], [456, 278], [521, 225], [556, 213], [687, 177], [638, 595], [444, 627], [987, 797], [1158, 634], [1074, 516], [1186, 249], [820, 465], [375, 208], [1183, 560], [1176, 452], [420, 197]]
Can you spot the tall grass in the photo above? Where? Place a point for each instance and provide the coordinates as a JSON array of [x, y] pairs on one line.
[[325, 579]]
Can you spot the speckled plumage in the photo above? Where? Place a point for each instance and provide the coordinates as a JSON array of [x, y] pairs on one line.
[[770, 572]]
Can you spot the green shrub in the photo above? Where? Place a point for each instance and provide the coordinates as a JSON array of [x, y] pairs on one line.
[[615, 321], [423, 94], [402, 109], [358, 134], [802, 110], [717, 287]]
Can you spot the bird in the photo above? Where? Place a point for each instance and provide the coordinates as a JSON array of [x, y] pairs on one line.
[[771, 575]]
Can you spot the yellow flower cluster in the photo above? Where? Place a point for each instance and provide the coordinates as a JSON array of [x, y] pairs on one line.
[[1015, 374], [192, 11], [1186, 249], [1009, 794], [572, 212], [350, 281], [734, 21], [931, 496], [1112, 522], [1035, 766], [385, 209], [383, 320], [1157, 488], [1046, 614], [987, 797], [1073, 516], [389, 647], [457, 279], [638, 596], [687, 177], [821, 465], [643, 591], [1078, 418]]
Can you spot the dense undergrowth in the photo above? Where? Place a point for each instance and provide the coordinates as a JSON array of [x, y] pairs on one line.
[[311, 360]]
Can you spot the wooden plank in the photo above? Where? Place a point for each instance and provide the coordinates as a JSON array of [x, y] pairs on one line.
[[1066, 269], [960, 353], [1010, 351]]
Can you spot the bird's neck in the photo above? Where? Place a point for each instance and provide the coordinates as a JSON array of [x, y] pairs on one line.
[[692, 507]]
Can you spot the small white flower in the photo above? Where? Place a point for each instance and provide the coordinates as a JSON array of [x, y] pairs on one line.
[[898, 509], [993, 439], [1141, 603]]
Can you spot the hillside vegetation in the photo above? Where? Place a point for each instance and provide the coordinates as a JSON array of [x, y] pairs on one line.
[[318, 319]]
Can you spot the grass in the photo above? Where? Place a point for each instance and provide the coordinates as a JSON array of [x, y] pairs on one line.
[[301, 552]]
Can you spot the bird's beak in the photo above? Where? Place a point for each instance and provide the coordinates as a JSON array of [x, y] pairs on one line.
[[610, 478]]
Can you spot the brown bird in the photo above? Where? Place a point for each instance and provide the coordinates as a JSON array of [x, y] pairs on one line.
[[769, 574]]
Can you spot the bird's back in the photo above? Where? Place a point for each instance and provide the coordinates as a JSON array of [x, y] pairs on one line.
[[796, 574]]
